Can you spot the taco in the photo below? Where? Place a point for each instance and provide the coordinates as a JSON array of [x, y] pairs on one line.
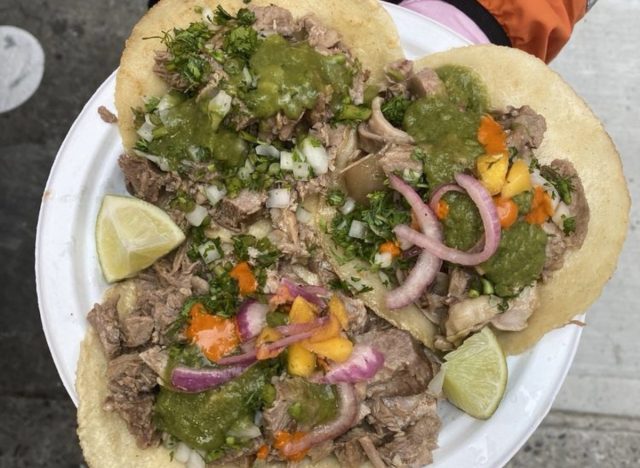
[[371, 39], [295, 259], [542, 144]]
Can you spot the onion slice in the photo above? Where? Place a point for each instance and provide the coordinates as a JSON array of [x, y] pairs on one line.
[[251, 319], [251, 356], [490, 222], [361, 366], [439, 193], [199, 380], [314, 294], [347, 414], [427, 265]]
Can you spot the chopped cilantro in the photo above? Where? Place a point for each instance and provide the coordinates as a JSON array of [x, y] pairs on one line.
[[186, 48], [394, 109], [568, 225], [563, 185], [336, 197], [241, 42]]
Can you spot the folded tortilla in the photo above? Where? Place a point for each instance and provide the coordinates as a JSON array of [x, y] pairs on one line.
[[365, 27], [515, 78]]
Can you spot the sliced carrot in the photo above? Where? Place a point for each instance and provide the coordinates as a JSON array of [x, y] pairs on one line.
[[263, 452], [389, 247], [491, 135], [507, 211], [283, 438], [541, 207], [242, 273], [442, 210], [216, 336]]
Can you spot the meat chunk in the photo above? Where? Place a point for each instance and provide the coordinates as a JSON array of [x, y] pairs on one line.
[[128, 375], [525, 129], [470, 315], [397, 413], [130, 382], [136, 330], [274, 20], [144, 180], [104, 319], [425, 83], [555, 248], [319, 36], [518, 312], [458, 284], [232, 212], [398, 71], [356, 312], [171, 77], [379, 125], [156, 358], [398, 159], [413, 447], [106, 115], [406, 370]]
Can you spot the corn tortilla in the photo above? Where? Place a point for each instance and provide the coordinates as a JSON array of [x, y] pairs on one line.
[[366, 29], [574, 133]]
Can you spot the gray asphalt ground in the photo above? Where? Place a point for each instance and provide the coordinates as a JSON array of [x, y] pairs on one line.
[[596, 418]]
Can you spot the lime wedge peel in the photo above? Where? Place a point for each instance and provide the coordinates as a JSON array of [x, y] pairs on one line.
[[476, 375], [132, 234]]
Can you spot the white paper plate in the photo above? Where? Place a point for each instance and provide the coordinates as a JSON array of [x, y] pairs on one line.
[[69, 280]]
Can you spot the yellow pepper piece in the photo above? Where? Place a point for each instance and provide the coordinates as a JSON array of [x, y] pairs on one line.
[[301, 311], [300, 361], [518, 180], [492, 169], [337, 349], [336, 307], [330, 330]]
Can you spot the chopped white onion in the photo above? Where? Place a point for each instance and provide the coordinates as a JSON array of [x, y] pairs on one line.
[[245, 172], [301, 170], [220, 104], [214, 194], [260, 229], [157, 160], [267, 150], [286, 161], [207, 16], [383, 259], [357, 229], [209, 252], [168, 101], [303, 215], [182, 452], [384, 278], [356, 283], [196, 216], [560, 214], [316, 155], [146, 129], [195, 460], [348, 206], [246, 76], [278, 198]]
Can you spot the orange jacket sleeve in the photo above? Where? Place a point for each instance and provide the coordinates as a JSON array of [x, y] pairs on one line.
[[540, 27]]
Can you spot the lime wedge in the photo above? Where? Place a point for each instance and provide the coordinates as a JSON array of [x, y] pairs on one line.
[[475, 375], [131, 234]]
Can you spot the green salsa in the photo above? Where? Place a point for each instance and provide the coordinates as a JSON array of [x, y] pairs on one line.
[[291, 76], [311, 404], [204, 420], [462, 228], [523, 201], [445, 125], [519, 259], [188, 134]]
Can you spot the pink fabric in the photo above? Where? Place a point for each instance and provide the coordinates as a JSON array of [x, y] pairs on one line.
[[449, 16]]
